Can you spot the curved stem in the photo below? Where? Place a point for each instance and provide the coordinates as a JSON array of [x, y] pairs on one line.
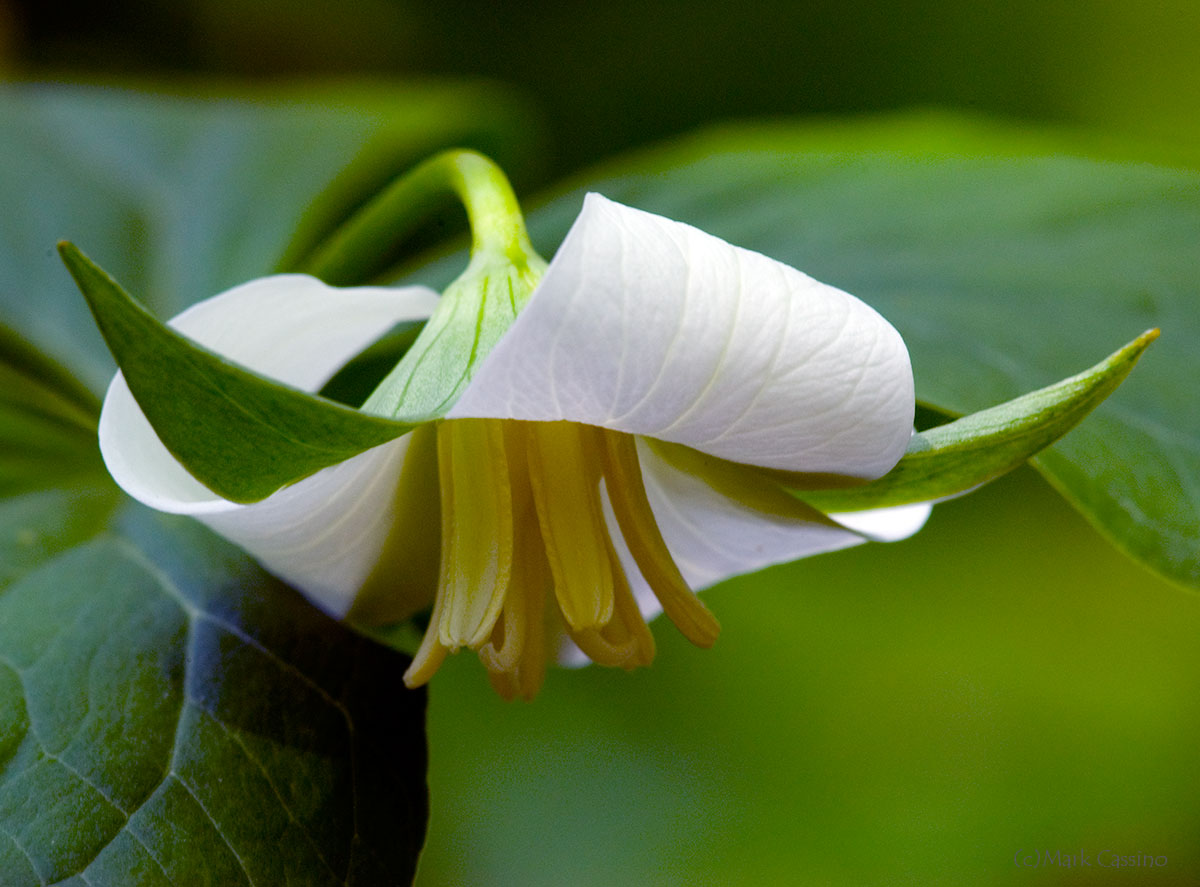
[[353, 251]]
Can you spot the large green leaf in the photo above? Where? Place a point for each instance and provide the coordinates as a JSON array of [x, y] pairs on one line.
[[1004, 262], [54, 491], [47, 421], [180, 197], [168, 713], [171, 715]]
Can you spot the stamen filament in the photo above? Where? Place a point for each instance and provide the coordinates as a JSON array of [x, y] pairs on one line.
[[515, 657], [432, 652], [627, 494]]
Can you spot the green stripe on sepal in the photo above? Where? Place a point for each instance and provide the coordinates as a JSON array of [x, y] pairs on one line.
[[957, 457], [474, 312], [240, 434]]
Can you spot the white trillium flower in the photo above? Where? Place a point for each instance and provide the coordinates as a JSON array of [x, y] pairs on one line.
[[594, 468]]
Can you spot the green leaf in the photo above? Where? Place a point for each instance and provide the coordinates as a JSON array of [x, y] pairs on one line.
[[182, 196], [959, 456], [240, 434], [39, 524], [1002, 260], [47, 421], [154, 662], [186, 719]]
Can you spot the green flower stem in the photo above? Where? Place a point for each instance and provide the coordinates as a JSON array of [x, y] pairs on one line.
[[352, 253]]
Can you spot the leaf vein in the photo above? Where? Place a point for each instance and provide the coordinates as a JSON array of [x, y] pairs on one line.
[[237, 739], [216, 826], [32, 865]]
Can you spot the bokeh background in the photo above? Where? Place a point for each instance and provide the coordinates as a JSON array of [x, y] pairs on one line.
[[921, 713], [605, 77]]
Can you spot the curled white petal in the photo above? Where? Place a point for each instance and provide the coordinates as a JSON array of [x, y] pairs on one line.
[[324, 533], [650, 326], [713, 537]]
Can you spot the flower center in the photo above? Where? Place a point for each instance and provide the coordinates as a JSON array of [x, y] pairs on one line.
[[526, 551]]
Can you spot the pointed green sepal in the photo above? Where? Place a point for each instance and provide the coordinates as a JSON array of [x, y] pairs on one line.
[[473, 313], [957, 457], [240, 434]]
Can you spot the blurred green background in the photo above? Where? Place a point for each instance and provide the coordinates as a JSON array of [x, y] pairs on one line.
[[604, 77], [910, 714], [907, 714]]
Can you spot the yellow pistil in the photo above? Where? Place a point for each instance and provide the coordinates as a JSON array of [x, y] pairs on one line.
[[525, 543]]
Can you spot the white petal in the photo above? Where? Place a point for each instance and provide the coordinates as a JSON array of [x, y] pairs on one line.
[[887, 524], [324, 533], [650, 326], [712, 537]]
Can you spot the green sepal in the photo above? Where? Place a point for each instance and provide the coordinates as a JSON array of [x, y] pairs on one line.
[[959, 456], [474, 312], [240, 434]]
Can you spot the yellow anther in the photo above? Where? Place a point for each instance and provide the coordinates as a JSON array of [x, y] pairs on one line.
[[627, 494], [521, 512], [564, 474]]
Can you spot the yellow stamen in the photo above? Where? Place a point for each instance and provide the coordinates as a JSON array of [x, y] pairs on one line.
[[515, 657], [564, 476], [521, 510], [627, 494], [626, 641], [477, 529], [432, 652], [477, 542]]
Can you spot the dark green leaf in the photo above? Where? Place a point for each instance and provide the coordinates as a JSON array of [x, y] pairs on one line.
[[1002, 260], [47, 421], [240, 434], [959, 456], [245, 733], [188, 720]]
